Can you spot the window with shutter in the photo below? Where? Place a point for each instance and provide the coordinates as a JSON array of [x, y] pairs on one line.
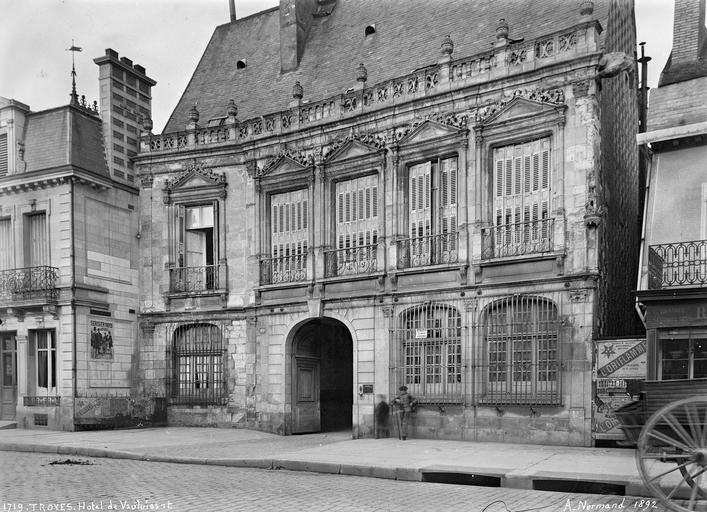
[[432, 213], [289, 236], [6, 244], [521, 190], [356, 227], [4, 161]]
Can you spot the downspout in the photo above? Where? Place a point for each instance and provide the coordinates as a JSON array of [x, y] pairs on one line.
[[73, 304], [643, 116]]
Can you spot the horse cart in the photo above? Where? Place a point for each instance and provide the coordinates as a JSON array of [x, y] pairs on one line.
[[669, 427]]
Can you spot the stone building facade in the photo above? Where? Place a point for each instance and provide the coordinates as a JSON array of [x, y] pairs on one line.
[[68, 270], [349, 198]]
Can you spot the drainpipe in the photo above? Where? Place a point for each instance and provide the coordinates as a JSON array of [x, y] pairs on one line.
[[643, 116], [74, 370]]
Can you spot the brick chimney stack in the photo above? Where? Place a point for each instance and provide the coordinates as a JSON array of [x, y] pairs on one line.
[[688, 30], [295, 22]]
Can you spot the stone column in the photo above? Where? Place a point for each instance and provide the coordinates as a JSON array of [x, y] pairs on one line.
[[462, 213]]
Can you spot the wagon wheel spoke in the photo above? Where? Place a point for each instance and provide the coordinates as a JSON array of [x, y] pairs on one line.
[[663, 456], [675, 468], [694, 424], [695, 488], [672, 442], [671, 420], [703, 440], [683, 480]]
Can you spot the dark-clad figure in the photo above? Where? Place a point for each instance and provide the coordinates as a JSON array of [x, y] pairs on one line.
[[381, 416], [406, 404]]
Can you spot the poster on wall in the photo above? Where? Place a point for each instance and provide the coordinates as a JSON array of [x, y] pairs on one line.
[[101, 339], [620, 369]]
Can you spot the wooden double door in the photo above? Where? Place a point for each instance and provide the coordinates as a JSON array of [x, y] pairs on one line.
[[322, 378]]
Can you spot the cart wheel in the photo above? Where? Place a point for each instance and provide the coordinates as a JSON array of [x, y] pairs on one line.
[[672, 454]]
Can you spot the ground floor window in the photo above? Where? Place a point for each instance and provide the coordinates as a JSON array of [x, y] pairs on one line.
[[683, 355], [43, 348], [198, 375], [429, 353], [520, 338]]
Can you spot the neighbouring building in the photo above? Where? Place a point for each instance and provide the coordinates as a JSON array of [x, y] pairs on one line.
[[672, 286], [68, 267], [355, 195]]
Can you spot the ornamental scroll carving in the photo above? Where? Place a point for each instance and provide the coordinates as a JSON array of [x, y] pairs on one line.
[[447, 118], [550, 96], [369, 139], [195, 169], [305, 159]]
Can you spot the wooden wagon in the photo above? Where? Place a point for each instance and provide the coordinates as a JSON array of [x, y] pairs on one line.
[[669, 428]]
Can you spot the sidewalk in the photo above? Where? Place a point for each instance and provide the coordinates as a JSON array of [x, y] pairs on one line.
[[513, 465]]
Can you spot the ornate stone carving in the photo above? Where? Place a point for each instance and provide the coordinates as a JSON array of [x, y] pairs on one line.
[[195, 169], [361, 73], [368, 139], [550, 96], [447, 45], [581, 295], [302, 158], [146, 180], [447, 118], [388, 311]]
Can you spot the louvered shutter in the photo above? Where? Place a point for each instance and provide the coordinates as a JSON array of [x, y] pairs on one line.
[[420, 213], [37, 237], [289, 232], [448, 202], [357, 223], [4, 162]]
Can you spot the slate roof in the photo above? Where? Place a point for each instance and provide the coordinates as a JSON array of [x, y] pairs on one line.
[[408, 36], [64, 136]]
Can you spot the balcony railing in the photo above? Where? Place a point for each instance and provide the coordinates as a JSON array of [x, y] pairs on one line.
[[517, 239], [30, 285], [284, 269], [428, 250], [350, 262], [677, 264], [197, 279], [522, 383]]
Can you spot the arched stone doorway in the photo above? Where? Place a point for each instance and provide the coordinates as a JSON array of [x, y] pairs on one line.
[[322, 377]]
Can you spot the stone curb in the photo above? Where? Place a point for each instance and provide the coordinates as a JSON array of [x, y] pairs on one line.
[[412, 474]]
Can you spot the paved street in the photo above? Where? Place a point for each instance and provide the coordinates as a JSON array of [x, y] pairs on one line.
[[29, 482]]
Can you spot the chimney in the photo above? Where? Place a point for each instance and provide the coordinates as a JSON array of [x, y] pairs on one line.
[[688, 31], [232, 7], [295, 22]]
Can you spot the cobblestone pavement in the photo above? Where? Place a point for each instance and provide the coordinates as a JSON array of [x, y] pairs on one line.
[[29, 482]]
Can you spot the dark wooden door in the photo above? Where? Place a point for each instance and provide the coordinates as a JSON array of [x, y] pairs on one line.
[[8, 375], [306, 412]]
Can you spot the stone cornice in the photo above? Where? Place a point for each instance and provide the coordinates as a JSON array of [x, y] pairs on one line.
[[35, 180]]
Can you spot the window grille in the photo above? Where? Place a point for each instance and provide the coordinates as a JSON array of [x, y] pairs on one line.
[[197, 365], [427, 354], [520, 338]]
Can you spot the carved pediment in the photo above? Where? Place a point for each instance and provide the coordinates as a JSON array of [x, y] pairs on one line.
[[195, 176], [283, 164], [426, 131], [353, 146], [518, 108], [521, 103]]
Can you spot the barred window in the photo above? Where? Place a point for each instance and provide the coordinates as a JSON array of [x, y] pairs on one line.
[[521, 341], [430, 353], [198, 361]]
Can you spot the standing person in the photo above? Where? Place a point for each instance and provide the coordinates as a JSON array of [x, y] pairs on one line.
[[407, 404], [381, 416]]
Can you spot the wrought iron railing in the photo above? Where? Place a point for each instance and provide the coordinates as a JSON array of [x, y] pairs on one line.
[[283, 269], [428, 250], [677, 264], [352, 261], [517, 239], [197, 279], [28, 285], [521, 383]]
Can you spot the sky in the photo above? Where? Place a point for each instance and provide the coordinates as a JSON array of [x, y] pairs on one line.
[[167, 37]]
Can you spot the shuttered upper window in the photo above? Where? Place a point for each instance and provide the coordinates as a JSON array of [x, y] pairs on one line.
[[432, 198], [357, 212], [4, 162], [522, 183], [289, 224]]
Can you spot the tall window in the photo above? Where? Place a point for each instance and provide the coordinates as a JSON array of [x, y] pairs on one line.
[[431, 352], [4, 161], [683, 355], [37, 246], [521, 198], [44, 343], [198, 365], [432, 212], [6, 245], [521, 340], [197, 248], [356, 225], [289, 235]]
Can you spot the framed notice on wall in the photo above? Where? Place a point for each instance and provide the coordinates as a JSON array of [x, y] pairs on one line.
[[101, 333]]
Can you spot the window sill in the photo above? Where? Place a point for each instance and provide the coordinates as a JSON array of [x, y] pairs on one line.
[[432, 268], [282, 286], [352, 277], [200, 293], [541, 256], [520, 402]]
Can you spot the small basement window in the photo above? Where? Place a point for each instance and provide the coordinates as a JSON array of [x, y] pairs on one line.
[[241, 64], [370, 30]]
